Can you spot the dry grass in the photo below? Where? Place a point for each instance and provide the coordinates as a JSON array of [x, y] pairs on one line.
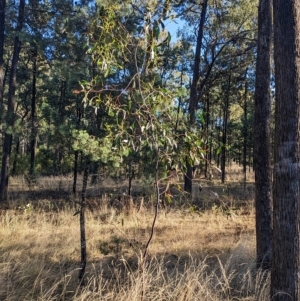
[[193, 256], [198, 252], [234, 173]]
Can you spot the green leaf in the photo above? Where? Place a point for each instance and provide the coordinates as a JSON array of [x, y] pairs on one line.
[[219, 150], [111, 112], [156, 32], [169, 37]]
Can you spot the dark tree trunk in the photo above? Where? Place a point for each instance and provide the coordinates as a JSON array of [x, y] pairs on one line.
[[194, 97], [219, 141], [179, 106], [82, 225], [76, 153], [285, 271], [211, 142], [10, 110], [14, 165], [207, 155], [225, 123], [33, 107], [94, 171], [261, 129], [62, 97], [131, 176], [245, 134], [2, 72], [75, 171]]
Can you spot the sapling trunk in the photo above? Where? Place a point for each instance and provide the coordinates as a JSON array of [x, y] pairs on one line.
[[152, 228], [82, 226]]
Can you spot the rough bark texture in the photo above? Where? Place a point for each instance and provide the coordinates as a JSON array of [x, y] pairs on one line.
[[2, 27], [10, 110], [194, 97], [262, 137], [285, 280]]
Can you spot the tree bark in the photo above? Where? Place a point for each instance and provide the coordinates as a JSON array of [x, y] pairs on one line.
[[225, 123], [10, 110], [219, 139], [76, 153], [94, 172], [17, 151], [2, 29], [285, 271], [194, 97], [207, 154], [33, 107], [75, 171], [82, 225], [261, 130], [245, 133]]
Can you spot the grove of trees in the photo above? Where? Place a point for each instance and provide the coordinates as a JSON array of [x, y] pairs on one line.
[[104, 85], [108, 81]]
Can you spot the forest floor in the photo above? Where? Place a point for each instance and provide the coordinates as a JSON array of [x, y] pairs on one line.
[[203, 247]]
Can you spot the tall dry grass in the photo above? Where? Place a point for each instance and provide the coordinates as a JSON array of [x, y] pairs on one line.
[[194, 255]]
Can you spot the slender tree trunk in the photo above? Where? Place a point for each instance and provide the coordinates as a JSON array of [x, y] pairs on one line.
[[75, 171], [94, 171], [207, 155], [194, 96], [211, 145], [62, 97], [76, 153], [285, 271], [225, 123], [33, 107], [179, 105], [96, 124], [219, 139], [131, 176], [10, 110], [245, 134], [14, 165], [2, 72], [82, 225], [262, 113]]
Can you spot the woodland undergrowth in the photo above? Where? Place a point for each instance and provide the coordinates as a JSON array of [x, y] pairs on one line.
[[194, 254]]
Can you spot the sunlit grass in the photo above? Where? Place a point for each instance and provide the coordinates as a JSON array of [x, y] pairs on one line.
[[194, 255], [203, 248]]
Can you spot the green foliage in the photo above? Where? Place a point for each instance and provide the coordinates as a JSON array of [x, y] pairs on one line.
[[141, 111], [97, 149], [21, 163], [49, 162], [112, 84]]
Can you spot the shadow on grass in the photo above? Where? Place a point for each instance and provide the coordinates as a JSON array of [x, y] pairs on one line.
[[35, 276]]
